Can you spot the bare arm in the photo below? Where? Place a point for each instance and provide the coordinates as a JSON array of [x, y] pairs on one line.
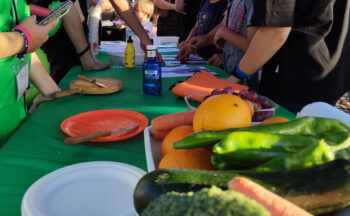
[[238, 41], [193, 32], [72, 24], [180, 6], [126, 12], [164, 5], [41, 79], [11, 43], [265, 43]]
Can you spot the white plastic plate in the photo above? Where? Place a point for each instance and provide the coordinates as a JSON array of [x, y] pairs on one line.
[[84, 189]]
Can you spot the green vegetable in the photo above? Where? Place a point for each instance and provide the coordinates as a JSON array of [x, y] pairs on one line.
[[206, 202], [310, 156], [250, 149], [170, 204], [319, 189], [334, 132]]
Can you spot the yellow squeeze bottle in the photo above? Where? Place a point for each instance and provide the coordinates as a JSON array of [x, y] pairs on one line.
[[130, 54]]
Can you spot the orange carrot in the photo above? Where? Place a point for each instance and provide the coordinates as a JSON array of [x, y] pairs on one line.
[[272, 202], [159, 135], [171, 121]]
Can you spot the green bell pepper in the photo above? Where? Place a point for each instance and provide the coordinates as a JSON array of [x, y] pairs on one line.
[[310, 156], [246, 149], [334, 132]]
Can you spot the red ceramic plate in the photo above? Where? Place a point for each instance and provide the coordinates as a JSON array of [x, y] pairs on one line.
[[108, 119]]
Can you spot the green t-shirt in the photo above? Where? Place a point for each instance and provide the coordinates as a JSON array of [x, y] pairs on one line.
[[12, 112]]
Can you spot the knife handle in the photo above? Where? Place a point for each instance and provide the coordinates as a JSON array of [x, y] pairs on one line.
[[66, 92], [86, 137], [86, 78]]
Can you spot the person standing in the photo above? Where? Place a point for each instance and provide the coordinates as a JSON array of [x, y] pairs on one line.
[[170, 22], [304, 48], [210, 14], [20, 36]]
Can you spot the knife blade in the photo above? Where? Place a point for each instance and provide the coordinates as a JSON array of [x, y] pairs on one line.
[[91, 80], [95, 135]]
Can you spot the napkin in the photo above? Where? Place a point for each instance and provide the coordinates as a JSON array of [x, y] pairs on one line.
[[203, 83]]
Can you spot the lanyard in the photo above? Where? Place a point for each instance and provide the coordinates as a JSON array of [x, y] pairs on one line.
[[15, 10]]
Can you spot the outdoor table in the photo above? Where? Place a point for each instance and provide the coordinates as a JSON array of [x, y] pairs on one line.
[[36, 148]]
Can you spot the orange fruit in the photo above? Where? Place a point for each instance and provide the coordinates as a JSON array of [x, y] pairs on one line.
[[250, 106], [222, 112], [174, 135], [274, 120], [190, 159]]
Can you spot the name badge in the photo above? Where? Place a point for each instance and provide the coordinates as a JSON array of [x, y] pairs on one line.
[[21, 70]]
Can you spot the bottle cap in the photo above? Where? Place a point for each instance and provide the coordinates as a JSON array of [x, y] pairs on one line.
[[130, 40], [151, 47]]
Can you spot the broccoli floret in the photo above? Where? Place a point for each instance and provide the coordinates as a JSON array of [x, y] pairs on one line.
[[206, 202]]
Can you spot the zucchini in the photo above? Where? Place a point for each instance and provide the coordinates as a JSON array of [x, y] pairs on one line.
[[320, 189]]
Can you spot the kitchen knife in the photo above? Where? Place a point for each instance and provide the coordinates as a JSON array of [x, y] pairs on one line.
[[94, 135], [91, 80]]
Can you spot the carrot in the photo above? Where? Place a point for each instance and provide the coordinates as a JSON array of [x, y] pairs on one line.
[[159, 135], [171, 121], [272, 202]]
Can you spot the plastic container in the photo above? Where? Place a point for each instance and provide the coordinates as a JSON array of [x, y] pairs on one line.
[[93, 25], [152, 73], [130, 54]]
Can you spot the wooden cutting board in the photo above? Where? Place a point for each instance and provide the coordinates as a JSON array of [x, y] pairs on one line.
[[85, 87]]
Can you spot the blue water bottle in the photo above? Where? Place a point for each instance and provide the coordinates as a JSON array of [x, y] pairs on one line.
[[152, 73]]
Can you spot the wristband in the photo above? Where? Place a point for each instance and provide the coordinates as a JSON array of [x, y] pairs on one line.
[[27, 39], [84, 51], [239, 74]]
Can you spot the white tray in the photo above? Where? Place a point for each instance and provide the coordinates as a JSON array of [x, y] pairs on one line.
[[152, 149]]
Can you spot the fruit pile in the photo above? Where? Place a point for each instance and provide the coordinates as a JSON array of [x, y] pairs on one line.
[[263, 109]]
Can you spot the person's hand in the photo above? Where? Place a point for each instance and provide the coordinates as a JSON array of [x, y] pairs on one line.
[[39, 34], [185, 52], [144, 44], [199, 42], [218, 40], [180, 45], [216, 60], [40, 98]]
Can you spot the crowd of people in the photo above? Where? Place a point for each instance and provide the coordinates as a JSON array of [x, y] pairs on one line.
[[293, 51]]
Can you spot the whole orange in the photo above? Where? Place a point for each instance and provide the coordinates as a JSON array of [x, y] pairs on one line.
[[222, 112], [274, 120], [174, 135], [191, 159]]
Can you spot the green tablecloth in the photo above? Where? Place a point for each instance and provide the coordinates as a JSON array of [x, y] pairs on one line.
[[37, 147]]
